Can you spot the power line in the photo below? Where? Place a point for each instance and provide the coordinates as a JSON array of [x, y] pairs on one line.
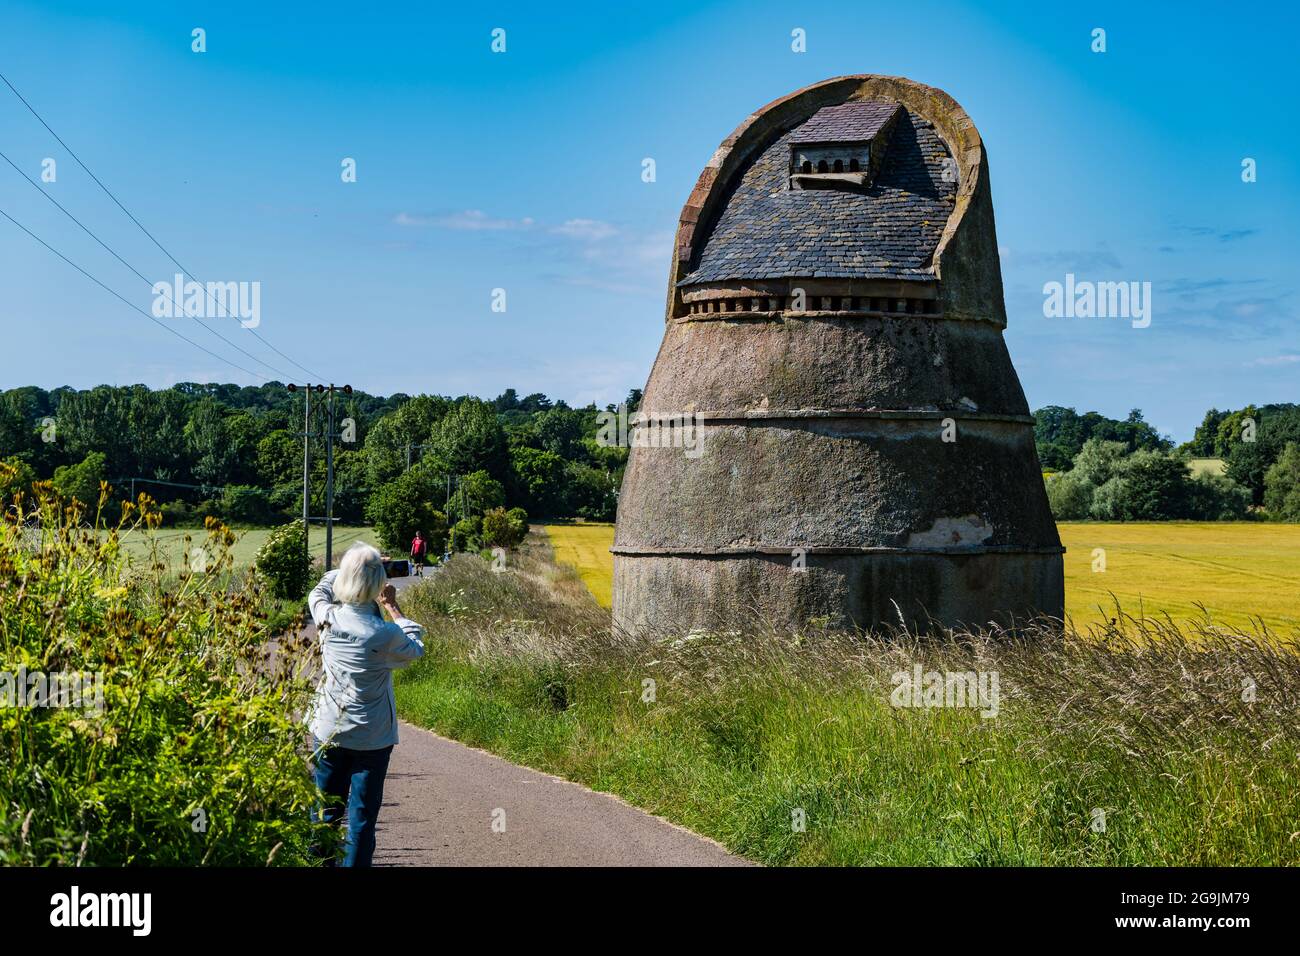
[[142, 277], [140, 225], [128, 303]]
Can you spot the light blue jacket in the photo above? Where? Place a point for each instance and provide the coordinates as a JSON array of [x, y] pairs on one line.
[[354, 706]]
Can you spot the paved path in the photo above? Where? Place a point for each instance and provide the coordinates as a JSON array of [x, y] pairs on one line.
[[442, 799]]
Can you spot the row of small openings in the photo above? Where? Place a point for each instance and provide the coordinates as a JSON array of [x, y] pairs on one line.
[[836, 167], [824, 303]]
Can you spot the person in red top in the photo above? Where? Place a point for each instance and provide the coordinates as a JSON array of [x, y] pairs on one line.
[[418, 548]]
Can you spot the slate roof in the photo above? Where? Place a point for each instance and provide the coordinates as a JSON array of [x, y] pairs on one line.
[[768, 231], [846, 123]]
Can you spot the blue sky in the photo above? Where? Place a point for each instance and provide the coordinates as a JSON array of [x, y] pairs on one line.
[[522, 171]]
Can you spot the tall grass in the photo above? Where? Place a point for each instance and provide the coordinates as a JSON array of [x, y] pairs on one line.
[[1144, 742], [196, 754]]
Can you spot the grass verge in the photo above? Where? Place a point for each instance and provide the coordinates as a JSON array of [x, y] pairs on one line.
[[1141, 744]]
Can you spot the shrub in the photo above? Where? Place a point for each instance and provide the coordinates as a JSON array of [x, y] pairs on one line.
[[246, 504], [81, 481], [502, 529], [519, 518], [188, 724], [178, 513], [1282, 485], [286, 500], [466, 534], [1157, 487], [283, 562]]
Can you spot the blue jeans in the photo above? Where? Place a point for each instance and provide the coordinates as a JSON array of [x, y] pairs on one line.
[[353, 783]]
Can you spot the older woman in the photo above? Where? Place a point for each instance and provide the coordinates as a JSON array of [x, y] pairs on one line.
[[353, 715]]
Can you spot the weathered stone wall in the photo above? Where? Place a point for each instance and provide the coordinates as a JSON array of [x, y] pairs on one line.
[[951, 589]]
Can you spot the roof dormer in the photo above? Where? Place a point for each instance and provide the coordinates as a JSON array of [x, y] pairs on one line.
[[841, 146]]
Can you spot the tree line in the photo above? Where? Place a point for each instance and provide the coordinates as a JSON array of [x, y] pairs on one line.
[[468, 471], [1111, 470], [237, 453]]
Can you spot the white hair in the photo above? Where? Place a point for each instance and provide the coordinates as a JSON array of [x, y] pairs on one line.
[[361, 575]]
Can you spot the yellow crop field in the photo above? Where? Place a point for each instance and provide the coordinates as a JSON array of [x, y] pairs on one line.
[[1237, 570], [585, 546]]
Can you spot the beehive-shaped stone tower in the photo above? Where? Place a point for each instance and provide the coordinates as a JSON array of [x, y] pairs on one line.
[[832, 427]]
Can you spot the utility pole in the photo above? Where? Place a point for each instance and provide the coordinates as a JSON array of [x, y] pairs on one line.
[[306, 464], [307, 436], [409, 448], [329, 436], [329, 485]]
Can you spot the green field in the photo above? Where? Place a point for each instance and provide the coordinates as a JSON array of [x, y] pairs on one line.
[[1237, 570], [172, 545]]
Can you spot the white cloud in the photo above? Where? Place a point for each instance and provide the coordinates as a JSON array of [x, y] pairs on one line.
[[586, 230], [469, 219], [1276, 360]]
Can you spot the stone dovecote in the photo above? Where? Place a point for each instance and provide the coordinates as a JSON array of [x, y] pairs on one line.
[[846, 436]]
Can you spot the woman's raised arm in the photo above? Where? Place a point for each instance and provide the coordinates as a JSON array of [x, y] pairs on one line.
[[321, 600]]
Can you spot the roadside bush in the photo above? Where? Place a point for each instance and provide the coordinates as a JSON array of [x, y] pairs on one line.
[[283, 562], [519, 520], [501, 529], [182, 719], [286, 500], [466, 534]]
